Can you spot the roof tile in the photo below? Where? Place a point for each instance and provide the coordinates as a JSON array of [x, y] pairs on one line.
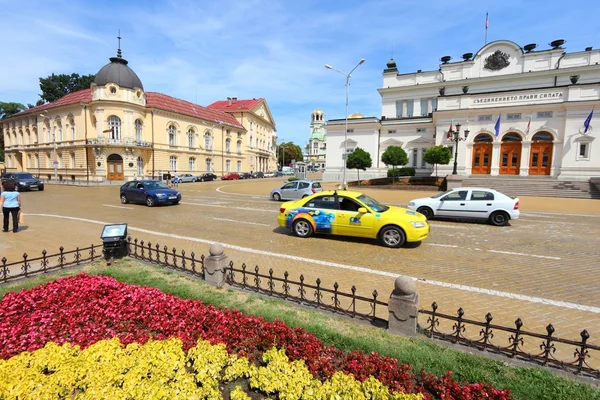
[[235, 105]]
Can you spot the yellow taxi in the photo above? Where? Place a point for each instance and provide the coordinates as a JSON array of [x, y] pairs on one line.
[[349, 213]]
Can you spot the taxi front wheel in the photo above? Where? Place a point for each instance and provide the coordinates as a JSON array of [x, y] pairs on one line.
[[302, 228], [392, 236]]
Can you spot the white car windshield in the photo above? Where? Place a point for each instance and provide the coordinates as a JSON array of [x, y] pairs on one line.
[[437, 196], [374, 204]]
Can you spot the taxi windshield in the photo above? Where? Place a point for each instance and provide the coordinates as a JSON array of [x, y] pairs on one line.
[[372, 203]]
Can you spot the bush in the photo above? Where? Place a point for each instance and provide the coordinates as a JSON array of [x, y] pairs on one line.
[[293, 178], [404, 171]]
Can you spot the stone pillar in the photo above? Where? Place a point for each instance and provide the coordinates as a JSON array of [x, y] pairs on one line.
[[525, 158], [215, 265], [454, 181], [403, 307]]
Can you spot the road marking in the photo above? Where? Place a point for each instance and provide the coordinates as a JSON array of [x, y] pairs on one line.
[[512, 253], [110, 205], [472, 289], [229, 207], [240, 222], [235, 194]]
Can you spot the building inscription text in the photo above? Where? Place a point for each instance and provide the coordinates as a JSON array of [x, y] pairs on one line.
[[519, 97]]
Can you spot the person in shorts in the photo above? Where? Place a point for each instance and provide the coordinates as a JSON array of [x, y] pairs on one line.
[[10, 201]]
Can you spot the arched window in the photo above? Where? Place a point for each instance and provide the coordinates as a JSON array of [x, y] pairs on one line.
[[172, 140], [192, 164], [114, 125], [37, 161], [139, 130], [228, 166], [239, 166], [228, 145], [60, 132], [512, 137], [35, 135], [28, 136], [239, 146], [140, 166], [208, 165], [250, 140], [190, 135], [73, 164], [483, 138], [29, 161], [173, 163], [207, 144], [542, 137], [73, 135]]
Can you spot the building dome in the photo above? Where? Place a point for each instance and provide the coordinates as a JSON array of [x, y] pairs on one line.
[[317, 111], [391, 63], [355, 116], [118, 72]]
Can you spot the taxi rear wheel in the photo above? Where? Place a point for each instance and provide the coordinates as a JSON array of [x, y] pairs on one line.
[[302, 228], [392, 236]]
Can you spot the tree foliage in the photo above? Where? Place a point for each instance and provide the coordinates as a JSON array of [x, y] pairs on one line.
[[291, 151], [56, 86], [394, 155], [10, 108], [359, 159], [437, 155]]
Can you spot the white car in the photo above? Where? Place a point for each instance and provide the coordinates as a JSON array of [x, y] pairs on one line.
[[269, 174], [469, 203]]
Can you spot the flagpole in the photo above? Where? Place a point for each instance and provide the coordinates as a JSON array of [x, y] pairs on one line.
[[486, 27]]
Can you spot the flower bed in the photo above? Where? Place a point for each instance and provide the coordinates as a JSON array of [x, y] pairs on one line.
[[84, 310]]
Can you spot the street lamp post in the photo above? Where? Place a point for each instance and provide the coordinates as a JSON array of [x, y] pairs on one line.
[[348, 75], [455, 137], [55, 162]]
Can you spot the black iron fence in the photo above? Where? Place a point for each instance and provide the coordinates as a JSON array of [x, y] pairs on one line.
[[468, 332]]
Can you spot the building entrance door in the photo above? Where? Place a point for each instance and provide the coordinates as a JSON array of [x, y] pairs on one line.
[[510, 154], [482, 154], [115, 168], [540, 158]]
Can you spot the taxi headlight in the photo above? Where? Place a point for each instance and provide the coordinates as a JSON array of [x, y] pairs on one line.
[[417, 224]]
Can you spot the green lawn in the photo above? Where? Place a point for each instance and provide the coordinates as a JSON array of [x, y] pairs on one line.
[[525, 383]]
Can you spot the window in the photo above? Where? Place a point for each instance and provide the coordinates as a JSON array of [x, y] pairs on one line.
[[73, 136], [480, 195], [349, 205], [172, 137], [228, 166], [350, 131], [544, 114], [73, 165], [61, 160], [138, 131], [192, 164], [392, 131], [434, 104], [415, 155], [584, 149], [228, 145], [114, 124], [423, 163], [290, 186], [140, 166], [239, 146], [207, 165], [421, 130], [207, 144], [239, 166], [250, 140], [190, 136], [303, 185], [410, 105], [424, 109], [512, 117], [484, 118], [60, 133], [323, 202], [37, 161], [29, 161], [173, 163], [456, 196]]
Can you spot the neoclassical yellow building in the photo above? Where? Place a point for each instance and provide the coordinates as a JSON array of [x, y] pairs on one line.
[[117, 131]]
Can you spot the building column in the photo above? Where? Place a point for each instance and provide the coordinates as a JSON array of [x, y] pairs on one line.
[[495, 170], [557, 155], [525, 157], [468, 159]]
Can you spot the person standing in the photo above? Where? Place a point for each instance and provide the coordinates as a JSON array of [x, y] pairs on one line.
[[168, 178], [10, 200], [176, 179]]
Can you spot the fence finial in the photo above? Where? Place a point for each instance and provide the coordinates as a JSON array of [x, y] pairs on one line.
[[215, 265], [403, 307]]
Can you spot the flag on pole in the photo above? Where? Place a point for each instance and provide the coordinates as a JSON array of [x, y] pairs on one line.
[[486, 20], [450, 129], [528, 124], [497, 126], [587, 122]]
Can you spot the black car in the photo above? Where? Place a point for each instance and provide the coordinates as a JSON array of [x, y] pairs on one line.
[[206, 177], [246, 175], [258, 174], [24, 180], [149, 192]]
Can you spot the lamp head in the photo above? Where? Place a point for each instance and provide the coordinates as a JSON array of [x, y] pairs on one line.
[[457, 127], [328, 66], [467, 133], [361, 61]]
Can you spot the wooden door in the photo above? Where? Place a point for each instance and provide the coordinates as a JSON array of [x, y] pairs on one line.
[[482, 158], [510, 158], [115, 171], [540, 158]]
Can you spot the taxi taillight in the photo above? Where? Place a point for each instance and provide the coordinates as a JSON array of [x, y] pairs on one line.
[[281, 210], [516, 205]]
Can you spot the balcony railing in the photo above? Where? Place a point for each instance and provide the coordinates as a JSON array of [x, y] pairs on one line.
[[125, 141]]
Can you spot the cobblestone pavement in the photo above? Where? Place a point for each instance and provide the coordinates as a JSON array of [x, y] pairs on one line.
[[542, 268]]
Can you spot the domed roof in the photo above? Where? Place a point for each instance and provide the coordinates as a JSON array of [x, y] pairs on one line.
[[118, 72], [317, 111], [391, 63], [355, 116]]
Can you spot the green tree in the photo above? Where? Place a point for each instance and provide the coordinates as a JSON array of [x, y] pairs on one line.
[[359, 159], [287, 152], [437, 155], [56, 86], [394, 155], [10, 108]]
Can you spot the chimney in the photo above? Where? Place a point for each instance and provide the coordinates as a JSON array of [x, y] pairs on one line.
[[234, 99], [229, 101]]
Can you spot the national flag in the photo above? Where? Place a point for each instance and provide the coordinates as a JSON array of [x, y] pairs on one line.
[[497, 126], [450, 129], [528, 124], [587, 122], [486, 20]]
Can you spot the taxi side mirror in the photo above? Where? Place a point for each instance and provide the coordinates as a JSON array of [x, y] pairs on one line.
[[362, 210]]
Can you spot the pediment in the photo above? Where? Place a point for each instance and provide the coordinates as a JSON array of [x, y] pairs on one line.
[[420, 141], [348, 142], [392, 142]]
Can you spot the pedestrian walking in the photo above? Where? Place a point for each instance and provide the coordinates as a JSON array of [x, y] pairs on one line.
[[10, 201], [176, 180], [168, 176]]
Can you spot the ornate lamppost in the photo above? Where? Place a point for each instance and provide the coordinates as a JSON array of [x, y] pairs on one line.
[[456, 138]]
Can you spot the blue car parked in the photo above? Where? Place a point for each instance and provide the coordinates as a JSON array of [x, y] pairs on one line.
[[149, 192]]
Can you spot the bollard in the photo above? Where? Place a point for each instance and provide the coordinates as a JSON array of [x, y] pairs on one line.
[[403, 307], [215, 265]]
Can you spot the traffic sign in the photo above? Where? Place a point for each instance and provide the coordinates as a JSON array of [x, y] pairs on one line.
[[55, 162]]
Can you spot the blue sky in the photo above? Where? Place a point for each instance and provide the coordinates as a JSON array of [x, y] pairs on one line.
[[203, 51]]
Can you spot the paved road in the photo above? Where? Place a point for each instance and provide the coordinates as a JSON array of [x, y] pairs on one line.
[[542, 268]]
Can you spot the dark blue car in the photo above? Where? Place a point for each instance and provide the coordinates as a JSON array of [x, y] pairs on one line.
[[149, 192]]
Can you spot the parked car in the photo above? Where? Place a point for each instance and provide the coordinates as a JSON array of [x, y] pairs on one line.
[[295, 190], [277, 174], [230, 176], [258, 174], [185, 178], [350, 213], [149, 192], [206, 177], [269, 174], [24, 180], [245, 175], [469, 203]]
